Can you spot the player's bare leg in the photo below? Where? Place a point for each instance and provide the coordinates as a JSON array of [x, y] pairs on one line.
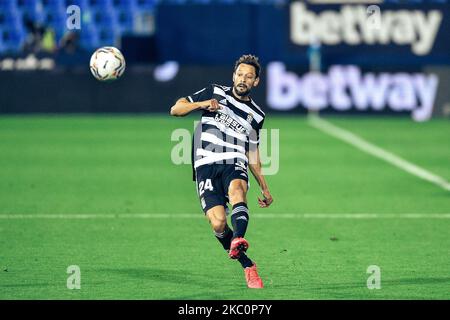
[[237, 194], [217, 218]]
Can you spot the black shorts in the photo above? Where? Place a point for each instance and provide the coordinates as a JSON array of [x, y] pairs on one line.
[[213, 180]]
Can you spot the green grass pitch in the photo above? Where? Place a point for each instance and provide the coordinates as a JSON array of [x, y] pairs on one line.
[[91, 165]]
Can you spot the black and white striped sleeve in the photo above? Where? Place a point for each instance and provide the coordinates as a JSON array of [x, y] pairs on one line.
[[253, 139], [201, 95]]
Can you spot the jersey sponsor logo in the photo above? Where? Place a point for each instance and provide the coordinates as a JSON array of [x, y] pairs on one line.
[[230, 123]]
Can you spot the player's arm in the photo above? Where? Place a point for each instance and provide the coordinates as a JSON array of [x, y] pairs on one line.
[[255, 168], [183, 107]]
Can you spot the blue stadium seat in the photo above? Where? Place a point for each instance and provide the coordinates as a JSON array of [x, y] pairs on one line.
[[101, 4], [89, 38], [55, 19], [12, 39], [181, 2], [55, 15], [2, 46], [83, 4], [107, 37], [54, 5], [59, 33], [125, 19], [146, 4], [125, 4], [31, 9], [26, 3], [7, 5], [11, 19], [104, 18]]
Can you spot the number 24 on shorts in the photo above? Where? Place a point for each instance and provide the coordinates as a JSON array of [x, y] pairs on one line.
[[204, 185]]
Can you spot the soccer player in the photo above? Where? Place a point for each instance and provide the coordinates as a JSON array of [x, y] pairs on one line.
[[226, 143]]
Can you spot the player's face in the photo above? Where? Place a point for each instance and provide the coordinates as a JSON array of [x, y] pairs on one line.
[[244, 79]]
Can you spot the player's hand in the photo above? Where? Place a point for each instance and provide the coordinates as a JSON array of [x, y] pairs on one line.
[[213, 105], [264, 203]]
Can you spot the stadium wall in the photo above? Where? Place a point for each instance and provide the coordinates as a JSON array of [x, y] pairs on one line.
[[341, 89]]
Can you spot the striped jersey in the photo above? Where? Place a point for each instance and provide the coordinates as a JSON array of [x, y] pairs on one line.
[[224, 136]]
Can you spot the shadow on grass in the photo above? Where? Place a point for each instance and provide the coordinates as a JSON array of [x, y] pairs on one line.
[[205, 281], [28, 285], [385, 283]]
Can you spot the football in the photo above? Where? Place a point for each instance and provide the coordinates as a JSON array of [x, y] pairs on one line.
[[107, 64]]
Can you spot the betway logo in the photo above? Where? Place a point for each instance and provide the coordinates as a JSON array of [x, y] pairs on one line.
[[352, 26], [345, 88]]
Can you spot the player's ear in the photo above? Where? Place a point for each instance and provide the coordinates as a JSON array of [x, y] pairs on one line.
[[256, 82], [234, 76]]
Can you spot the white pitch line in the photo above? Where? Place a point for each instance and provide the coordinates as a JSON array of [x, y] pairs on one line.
[[355, 216], [255, 215], [378, 152]]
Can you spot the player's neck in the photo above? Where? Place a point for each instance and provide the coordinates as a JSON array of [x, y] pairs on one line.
[[241, 98]]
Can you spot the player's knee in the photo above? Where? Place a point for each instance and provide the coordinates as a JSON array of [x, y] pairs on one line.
[[217, 218], [236, 194], [218, 224]]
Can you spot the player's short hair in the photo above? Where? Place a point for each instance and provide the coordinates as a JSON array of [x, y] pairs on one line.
[[251, 60]]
